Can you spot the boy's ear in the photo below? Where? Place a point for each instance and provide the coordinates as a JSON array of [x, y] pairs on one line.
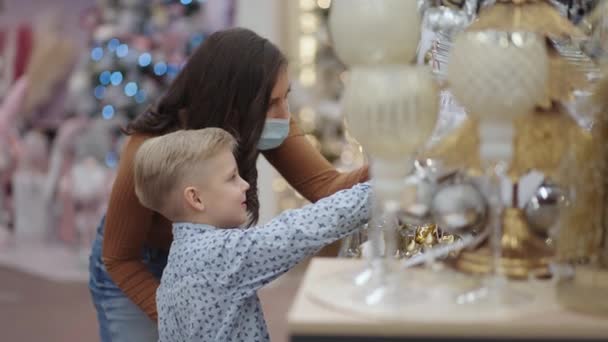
[[193, 198]]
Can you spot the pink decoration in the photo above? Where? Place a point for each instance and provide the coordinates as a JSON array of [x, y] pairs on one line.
[[62, 160], [15, 50], [29, 183], [13, 104], [89, 184], [10, 109], [142, 43]]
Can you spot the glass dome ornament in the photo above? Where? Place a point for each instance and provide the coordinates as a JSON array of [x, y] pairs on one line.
[[371, 32], [391, 109], [497, 76]]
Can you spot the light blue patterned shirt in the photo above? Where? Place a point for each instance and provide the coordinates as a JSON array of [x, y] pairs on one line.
[[208, 290]]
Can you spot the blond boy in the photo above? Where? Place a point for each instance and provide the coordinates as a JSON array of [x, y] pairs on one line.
[[208, 290]]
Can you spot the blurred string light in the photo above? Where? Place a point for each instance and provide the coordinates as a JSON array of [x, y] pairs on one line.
[[195, 41], [122, 50], [311, 19], [104, 77], [307, 45], [113, 44], [97, 54], [160, 68], [144, 59], [307, 42], [111, 159], [99, 92], [107, 112], [131, 89], [116, 78], [140, 97], [308, 49], [307, 5], [172, 70], [324, 4], [308, 23], [116, 48], [307, 117]]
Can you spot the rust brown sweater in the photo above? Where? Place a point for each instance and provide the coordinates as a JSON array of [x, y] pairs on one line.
[[130, 226]]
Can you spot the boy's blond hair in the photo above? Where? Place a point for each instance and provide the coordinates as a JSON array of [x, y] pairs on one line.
[[163, 162]]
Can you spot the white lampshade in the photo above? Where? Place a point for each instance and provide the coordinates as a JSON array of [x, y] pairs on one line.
[[375, 31], [391, 110], [498, 74]]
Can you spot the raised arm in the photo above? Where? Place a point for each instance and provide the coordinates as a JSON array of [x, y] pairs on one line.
[[264, 252]]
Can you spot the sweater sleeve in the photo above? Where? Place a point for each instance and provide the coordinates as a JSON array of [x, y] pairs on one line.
[[126, 229], [307, 170]]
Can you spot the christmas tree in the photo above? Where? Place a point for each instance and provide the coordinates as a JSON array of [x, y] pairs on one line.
[[136, 49]]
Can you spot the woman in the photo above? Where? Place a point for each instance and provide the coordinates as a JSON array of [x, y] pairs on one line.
[[237, 81]]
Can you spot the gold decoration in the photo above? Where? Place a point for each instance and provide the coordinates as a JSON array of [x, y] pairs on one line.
[[600, 99], [537, 16], [542, 140], [600, 93], [551, 142], [547, 140], [522, 253], [459, 149], [416, 240], [426, 234], [564, 78]]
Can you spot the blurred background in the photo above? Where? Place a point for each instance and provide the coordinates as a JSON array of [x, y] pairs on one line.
[[73, 72], [90, 66]]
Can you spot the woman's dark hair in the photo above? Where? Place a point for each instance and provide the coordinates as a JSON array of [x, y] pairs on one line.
[[226, 83]]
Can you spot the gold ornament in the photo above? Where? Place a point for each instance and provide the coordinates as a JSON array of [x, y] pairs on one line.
[[542, 139], [554, 144], [531, 16], [564, 78], [548, 140], [522, 253], [600, 99], [459, 149], [426, 234], [415, 240]]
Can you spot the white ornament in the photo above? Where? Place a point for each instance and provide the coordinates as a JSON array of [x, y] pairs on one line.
[[391, 110], [498, 76], [375, 31]]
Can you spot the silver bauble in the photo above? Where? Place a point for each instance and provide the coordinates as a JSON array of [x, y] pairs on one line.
[[543, 209], [459, 207]]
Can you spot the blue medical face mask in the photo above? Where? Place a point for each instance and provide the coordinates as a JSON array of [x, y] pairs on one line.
[[274, 133]]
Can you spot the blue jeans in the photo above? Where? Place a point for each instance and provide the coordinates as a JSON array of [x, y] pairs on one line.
[[119, 318]]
